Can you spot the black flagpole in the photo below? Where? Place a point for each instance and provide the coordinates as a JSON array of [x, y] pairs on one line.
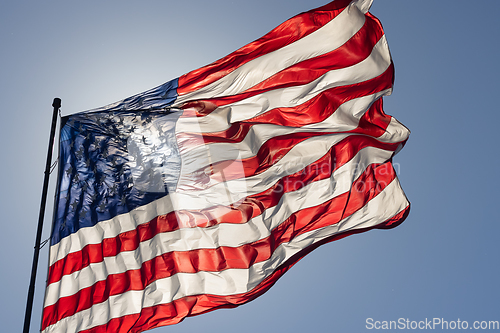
[[31, 291]]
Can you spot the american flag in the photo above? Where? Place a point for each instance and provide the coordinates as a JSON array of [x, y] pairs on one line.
[[200, 193]]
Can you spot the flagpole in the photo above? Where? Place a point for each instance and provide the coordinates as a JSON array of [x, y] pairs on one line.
[[56, 104]]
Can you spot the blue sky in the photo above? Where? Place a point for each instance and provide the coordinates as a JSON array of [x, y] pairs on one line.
[[442, 262]]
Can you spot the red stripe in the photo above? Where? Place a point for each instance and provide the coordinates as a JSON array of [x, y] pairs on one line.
[[373, 123], [367, 186], [320, 107], [315, 110], [254, 205], [176, 311], [284, 34], [357, 49]]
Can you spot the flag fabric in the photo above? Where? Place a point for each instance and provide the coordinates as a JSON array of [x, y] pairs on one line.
[[200, 193]]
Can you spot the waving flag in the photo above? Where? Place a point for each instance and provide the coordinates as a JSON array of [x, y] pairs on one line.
[[200, 193]]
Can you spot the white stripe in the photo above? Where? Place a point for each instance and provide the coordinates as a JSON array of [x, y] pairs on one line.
[[222, 118], [363, 5], [232, 281], [345, 118], [326, 39], [230, 235], [301, 155]]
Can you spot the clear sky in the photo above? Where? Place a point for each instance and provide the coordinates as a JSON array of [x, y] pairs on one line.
[[442, 262]]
